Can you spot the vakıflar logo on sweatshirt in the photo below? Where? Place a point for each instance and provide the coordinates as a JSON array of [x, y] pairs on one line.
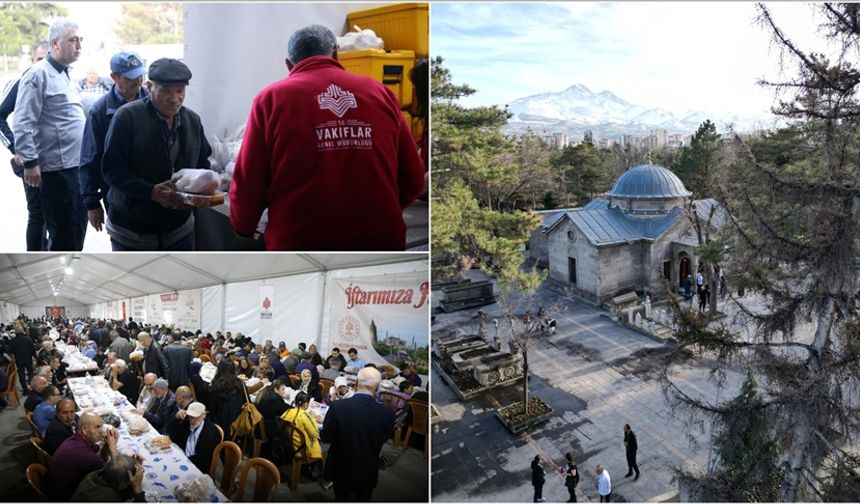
[[336, 100]]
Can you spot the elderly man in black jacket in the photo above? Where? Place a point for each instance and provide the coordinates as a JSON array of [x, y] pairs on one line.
[[356, 428], [153, 357], [196, 435], [162, 408]]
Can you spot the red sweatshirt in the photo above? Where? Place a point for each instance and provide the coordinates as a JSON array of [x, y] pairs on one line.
[[331, 157]]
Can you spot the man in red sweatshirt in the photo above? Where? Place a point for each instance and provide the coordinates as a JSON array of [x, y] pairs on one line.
[[329, 154]]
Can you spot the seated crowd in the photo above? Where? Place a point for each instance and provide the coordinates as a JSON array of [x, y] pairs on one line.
[[158, 370]]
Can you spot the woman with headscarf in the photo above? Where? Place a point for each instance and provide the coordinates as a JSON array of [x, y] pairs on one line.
[[308, 385], [305, 432], [226, 395]]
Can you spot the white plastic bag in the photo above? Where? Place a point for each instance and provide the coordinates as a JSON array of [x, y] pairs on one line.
[[359, 39], [196, 181]]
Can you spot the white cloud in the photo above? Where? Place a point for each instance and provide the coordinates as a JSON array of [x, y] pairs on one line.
[[676, 56]]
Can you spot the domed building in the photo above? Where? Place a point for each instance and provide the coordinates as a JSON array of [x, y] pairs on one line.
[[628, 240]]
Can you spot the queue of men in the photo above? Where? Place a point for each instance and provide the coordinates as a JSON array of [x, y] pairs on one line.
[[85, 459], [113, 165]]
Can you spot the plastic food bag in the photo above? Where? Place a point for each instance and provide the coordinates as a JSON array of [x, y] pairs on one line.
[[359, 39], [196, 181], [198, 489]]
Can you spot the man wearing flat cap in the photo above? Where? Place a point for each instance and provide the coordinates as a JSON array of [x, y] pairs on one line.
[[127, 73], [147, 141], [329, 154]]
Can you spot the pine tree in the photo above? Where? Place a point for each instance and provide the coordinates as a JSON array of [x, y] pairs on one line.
[[697, 162], [794, 216]]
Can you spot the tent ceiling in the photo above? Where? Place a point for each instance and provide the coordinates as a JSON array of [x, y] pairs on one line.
[[25, 278]]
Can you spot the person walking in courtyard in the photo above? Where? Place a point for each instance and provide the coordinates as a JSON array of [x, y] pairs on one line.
[[571, 477], [630, 446], [604, 484], [688, 287], [703, 298], [538, 478]]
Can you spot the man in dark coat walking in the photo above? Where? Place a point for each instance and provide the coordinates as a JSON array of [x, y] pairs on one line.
[[356, 428], [23, 348], [538, 478], [631, 447], [179, 359]]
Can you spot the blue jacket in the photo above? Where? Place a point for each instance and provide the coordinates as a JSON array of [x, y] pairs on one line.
[[42, 416], [93, 185]]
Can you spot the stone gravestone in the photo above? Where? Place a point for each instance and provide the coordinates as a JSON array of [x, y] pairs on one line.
[[647, 307]]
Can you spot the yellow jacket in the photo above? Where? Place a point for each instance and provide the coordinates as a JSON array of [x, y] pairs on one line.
[[304, 429]]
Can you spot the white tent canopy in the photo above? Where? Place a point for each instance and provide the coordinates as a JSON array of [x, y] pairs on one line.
[[225, 287]]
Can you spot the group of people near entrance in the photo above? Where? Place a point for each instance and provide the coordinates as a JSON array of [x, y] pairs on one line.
[[157, 369], [571, 471], [114, 165]]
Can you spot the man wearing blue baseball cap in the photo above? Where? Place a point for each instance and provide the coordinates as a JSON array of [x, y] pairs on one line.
[[127, 73]]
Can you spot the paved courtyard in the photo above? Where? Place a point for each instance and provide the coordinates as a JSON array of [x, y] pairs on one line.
[[597, 376]]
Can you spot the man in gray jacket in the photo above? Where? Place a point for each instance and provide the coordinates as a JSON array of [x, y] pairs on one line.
[[49, 126], [119, 345]]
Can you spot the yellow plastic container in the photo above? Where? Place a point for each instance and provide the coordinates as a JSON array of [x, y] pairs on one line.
[[404, 26], [390, 68]]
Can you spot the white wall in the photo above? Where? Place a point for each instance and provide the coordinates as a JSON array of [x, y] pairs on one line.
[[300, 309], [236, 49], [73, 308]]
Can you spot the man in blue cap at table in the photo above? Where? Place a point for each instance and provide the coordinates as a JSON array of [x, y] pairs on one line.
[[147, 142], [127, 73]]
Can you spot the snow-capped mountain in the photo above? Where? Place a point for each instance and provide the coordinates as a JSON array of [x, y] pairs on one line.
[[607, 115]]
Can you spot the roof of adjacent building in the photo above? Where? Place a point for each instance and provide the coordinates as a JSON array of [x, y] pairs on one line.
[[602, 225], [649, 182]]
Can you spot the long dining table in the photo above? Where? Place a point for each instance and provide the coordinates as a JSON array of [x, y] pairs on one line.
[[165, 469], [77, 362]]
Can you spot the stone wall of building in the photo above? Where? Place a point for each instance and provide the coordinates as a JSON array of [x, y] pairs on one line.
[[638, 205], [621, 268], [538, 246], [561, 248]]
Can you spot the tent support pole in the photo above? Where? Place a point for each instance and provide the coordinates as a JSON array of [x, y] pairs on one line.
[[322, 310], [224, 306]]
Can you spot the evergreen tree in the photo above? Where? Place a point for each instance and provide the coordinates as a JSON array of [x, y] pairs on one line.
[[696, 163], [794, 216]]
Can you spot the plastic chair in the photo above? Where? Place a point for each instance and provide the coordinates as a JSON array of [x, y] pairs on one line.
[[12, 390], [420, 417], [37, 433], [42, 456], [232, 458], [35, 476], [297, 461], [267, 477]]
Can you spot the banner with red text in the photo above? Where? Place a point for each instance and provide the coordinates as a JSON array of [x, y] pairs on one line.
[[384, 317]]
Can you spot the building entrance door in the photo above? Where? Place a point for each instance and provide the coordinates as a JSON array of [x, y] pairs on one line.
[[684, 271]]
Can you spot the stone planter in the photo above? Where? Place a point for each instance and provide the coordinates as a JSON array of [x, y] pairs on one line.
[[514, 419], [467, 295]]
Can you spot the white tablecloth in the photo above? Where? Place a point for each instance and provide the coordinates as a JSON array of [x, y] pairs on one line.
[[164, 470], [77, 362]]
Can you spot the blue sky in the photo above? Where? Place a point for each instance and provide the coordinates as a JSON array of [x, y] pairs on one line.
[[675, 56]]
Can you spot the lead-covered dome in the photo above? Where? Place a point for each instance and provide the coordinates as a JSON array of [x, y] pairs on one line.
[[649, 182]]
